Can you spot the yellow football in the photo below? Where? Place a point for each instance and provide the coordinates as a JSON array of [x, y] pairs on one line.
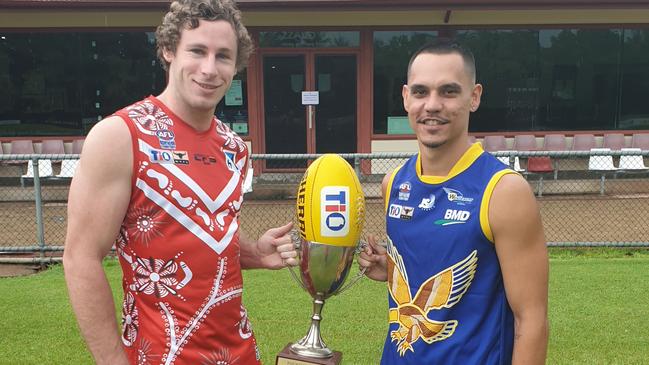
[[330, 203]]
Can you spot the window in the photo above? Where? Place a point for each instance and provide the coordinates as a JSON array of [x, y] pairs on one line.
[[533, 79], [634, 113], [392, 51], [507, 67], [118, 70], [579, 73], [63, 83]]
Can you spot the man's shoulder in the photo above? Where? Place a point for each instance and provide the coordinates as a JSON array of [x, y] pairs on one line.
[[110, 138], [112, 126], [512, 181], [511, 193], [106, 159]]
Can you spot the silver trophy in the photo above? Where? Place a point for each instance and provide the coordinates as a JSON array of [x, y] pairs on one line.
[[330, 216], [323, 269]]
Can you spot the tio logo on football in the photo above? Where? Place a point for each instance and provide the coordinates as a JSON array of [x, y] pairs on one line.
[[334, 211]]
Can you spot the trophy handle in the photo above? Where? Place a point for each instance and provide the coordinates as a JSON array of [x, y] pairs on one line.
[[361, 272], [295, 237]]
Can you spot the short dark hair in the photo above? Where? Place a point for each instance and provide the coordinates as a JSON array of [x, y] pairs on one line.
[[447, 46], [185, 14]]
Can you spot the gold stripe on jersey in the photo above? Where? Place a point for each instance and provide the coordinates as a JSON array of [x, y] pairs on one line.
[[486, 198], [462, 164], [386, 198]]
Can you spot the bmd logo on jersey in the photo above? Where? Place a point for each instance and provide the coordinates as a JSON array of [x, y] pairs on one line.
[[334, 211], [453, 216]]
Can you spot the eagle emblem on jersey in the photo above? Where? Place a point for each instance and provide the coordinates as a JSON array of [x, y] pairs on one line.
[[442, 290]]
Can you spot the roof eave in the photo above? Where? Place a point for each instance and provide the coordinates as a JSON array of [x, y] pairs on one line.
[[287, 5]]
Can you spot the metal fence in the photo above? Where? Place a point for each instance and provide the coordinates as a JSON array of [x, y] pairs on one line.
[[590, 198], [33, 208]]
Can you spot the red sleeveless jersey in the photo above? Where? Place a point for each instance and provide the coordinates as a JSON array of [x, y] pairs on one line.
[[179, 243]]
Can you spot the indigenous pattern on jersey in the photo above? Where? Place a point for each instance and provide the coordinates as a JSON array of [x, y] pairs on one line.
[[179, 243], [447, 301]]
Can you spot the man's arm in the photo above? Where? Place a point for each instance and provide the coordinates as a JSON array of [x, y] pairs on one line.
[[274, 250], [521, 248], [97, 203]]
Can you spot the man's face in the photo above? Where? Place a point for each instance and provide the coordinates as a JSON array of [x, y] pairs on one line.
[[202, 68], [439, 97]]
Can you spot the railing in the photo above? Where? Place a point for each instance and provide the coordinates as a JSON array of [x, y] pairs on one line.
[[585, 198]]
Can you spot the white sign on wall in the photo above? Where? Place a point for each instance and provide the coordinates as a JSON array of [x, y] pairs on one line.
[[310, 98]]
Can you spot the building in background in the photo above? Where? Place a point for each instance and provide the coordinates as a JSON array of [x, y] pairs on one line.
[[547, 65]]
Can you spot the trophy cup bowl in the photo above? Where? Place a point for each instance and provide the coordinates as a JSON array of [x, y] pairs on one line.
[[330, 215], [323, 269]]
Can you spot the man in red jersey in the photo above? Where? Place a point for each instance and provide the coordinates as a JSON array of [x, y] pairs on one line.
[[162, 180]]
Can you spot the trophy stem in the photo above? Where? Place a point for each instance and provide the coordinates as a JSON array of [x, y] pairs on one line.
[[312, 345]]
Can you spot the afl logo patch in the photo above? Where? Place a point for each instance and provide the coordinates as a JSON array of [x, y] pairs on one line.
[[334, 211], [166, 138], [404, 191]]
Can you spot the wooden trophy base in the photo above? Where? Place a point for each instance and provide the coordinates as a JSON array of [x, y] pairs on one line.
[[286, 357]]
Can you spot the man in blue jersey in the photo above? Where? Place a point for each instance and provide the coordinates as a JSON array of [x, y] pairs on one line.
[[466, 260]]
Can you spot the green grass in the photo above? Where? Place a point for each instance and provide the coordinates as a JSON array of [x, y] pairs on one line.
[[599, 313], [38, 326]]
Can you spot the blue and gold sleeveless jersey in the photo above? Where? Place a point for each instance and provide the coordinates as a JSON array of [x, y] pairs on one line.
[[446, 295]]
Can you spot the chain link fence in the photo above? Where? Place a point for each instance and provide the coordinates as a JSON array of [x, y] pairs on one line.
[[589, 198], [33, 208]]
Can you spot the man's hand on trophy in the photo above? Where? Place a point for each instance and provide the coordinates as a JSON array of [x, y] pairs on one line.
[[373, 259], [276, 248]]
